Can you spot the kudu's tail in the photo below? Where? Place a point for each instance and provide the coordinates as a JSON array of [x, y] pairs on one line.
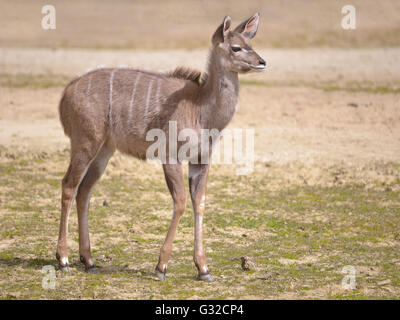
[[64, 109]]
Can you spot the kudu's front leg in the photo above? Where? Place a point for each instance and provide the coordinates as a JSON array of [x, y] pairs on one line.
[[198, 174], [176, 185]]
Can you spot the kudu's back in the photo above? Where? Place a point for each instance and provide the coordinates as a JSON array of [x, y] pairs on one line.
[[121, 105]]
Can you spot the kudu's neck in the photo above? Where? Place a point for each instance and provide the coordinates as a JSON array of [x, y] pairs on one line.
[[219, 93]]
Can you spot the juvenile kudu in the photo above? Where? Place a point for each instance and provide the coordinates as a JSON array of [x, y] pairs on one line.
[[109, 109]]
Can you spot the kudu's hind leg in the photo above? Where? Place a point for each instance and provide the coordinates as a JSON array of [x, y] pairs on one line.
[[81, 157], [95, 171], [198, 174], [176, 185]]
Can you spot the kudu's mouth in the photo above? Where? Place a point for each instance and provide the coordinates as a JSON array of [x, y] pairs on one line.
[[260, 67]]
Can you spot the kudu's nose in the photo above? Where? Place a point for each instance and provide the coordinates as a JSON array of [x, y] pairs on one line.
[[262, 62]]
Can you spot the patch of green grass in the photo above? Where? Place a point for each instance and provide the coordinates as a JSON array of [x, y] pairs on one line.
[[299, 237]]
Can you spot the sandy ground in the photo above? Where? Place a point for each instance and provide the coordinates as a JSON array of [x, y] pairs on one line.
[[292, 118], [285, 66]]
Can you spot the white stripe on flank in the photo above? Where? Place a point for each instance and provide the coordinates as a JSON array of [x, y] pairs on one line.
[[111, 87], [148, 97], [158, 91], [89, 85], [76, 89], [133, 97]]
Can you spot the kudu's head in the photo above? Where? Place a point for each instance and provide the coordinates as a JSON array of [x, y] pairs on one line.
[[236, 52]]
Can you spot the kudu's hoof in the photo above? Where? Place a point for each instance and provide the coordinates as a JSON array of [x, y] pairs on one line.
[[205, 277], [89, 267], [62, 267], [92, 270], [160, 275]]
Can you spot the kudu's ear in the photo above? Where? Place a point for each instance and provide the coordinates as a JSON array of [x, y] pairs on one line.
[[249, 27], [222, 31]]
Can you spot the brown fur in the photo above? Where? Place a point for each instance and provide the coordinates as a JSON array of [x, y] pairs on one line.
[[186, 73]]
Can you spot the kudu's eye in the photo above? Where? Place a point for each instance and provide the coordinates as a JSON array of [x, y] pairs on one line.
[[236, 48]]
